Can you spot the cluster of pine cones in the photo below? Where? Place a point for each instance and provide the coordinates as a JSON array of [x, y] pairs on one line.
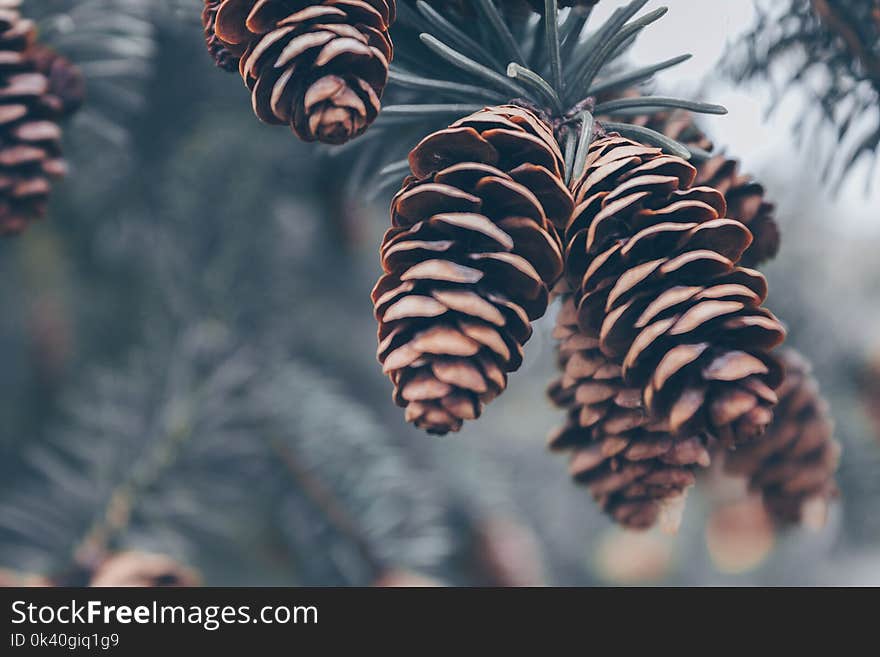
[[38, 88], [319, 67], [666, 348]]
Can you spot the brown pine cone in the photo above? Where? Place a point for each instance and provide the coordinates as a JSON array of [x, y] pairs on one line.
[[469, 262], [143, 569], [320, 67], [67, 84], [793, 465], [30, 138], [744, 196], [220, 52], [632, 466], [653, 266]]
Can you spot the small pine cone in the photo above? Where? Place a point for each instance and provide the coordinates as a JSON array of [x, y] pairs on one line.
[[67, 84], [143, 569], [631, 465], [320, 67], [30, 138], [222, 53], [793, 465], [653, 265], [744, 196], [469, 262], [746, 202]]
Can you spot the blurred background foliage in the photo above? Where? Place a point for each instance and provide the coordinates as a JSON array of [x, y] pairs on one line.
[[188, 355]]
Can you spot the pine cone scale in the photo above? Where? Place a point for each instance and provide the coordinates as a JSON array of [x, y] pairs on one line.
[[745, 198]]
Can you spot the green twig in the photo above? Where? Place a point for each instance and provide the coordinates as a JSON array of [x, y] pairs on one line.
[[583, 147], [648, 136], [659, 101], [502, 31], [634, 77], [455, 35], [607, 50], [468, 65], [551, 31], [535, 82], [443, 87], [417, 111]]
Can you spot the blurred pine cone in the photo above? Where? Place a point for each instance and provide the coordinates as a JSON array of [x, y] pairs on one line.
[[506, 553], [739, 535], [67, 84], [653, 266], [220, 52], [744, 196], [469, 262], [320, 67], [632, 466], [793, 465], [30, 106], [143, 569]]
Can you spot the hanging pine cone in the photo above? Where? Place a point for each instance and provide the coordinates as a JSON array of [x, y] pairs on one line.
[[67, 84], [744, 196], [320, 67], [220, 52], [793, 465], [30, 138], [469, 262], [633, 466], [653, 266]]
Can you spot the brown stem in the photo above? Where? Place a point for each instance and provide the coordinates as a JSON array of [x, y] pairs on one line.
[[329, 505], [116, 516], [841, 23]]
